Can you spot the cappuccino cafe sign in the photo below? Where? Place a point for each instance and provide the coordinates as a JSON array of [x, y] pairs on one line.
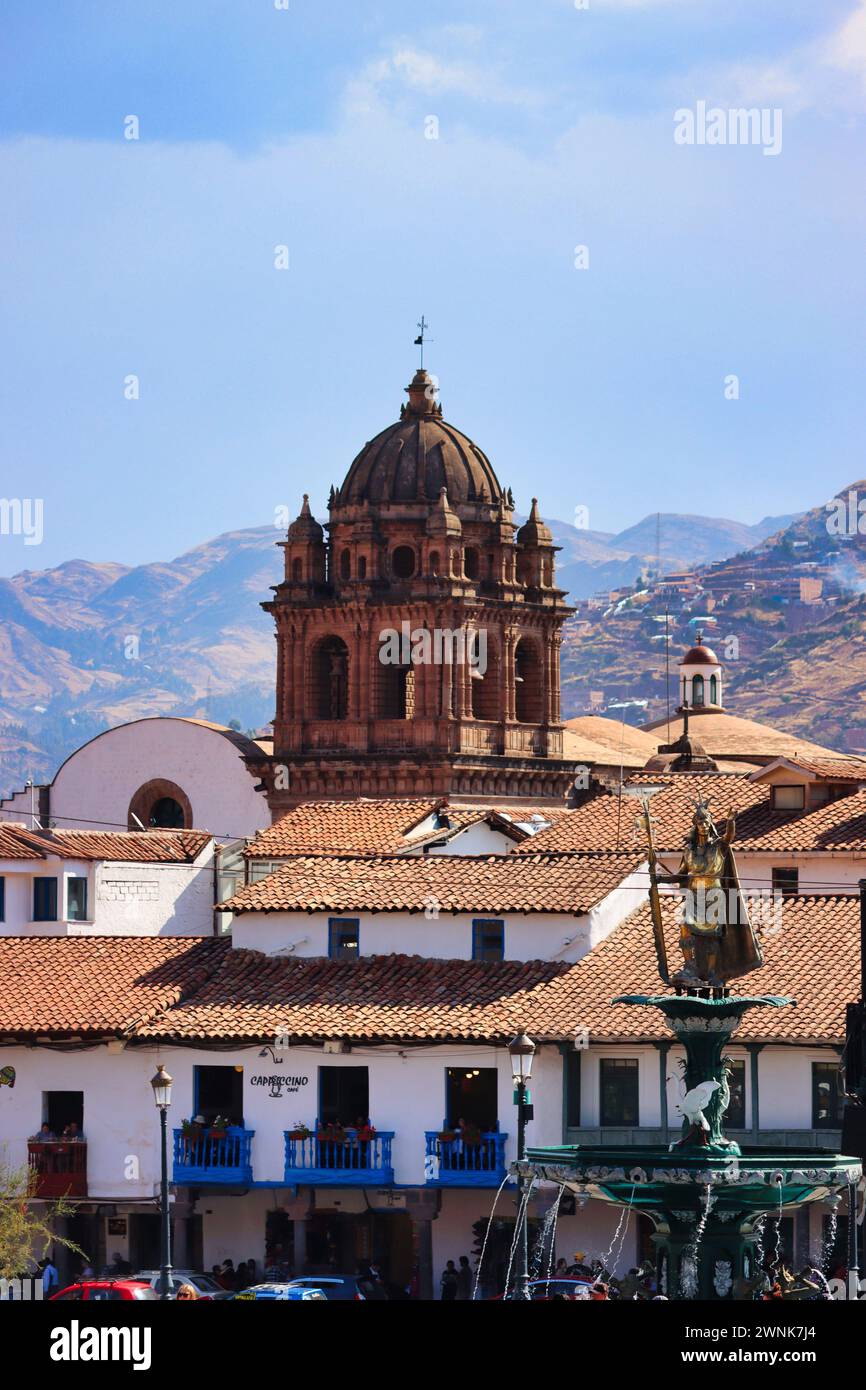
[[281, 1085]]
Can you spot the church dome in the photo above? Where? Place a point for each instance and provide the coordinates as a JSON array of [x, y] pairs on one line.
[[699, 655], [415, 458]]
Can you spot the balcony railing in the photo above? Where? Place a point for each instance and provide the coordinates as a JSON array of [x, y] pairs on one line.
[[457, 1163], [59, 1168], [350, 1161], [208, 1158]]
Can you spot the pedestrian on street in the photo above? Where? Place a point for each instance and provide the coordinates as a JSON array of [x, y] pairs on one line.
[[464, 1280], [448, 1283]]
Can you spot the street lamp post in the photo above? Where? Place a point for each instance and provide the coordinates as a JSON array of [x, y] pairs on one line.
[[521, 1050], [161, 1084]]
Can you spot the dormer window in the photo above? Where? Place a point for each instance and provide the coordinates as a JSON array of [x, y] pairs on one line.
[[788, 798]]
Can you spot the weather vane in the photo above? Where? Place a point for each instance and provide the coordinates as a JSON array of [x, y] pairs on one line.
[[419, 341]]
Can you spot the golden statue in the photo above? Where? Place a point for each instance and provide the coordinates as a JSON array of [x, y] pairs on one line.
[[716, 936]]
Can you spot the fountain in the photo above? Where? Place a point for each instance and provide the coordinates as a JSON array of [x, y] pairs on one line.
[[706, 1196]]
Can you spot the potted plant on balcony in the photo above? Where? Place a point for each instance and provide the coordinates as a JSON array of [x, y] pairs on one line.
[[365, 1132], [471, 1135], [300, 1131], [219, 1128], [192, 1131], [447, 1136]]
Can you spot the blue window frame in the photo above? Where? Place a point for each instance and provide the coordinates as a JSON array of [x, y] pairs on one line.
[[45, 899], [488, 939], [344, 938]]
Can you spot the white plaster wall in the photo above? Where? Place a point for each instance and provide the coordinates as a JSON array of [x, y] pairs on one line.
[[123, 899], [407, 1096], [96, 784], [21, 807], [528, 936]]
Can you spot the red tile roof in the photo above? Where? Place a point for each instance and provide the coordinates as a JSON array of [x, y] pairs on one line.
[[813, 957], [15, 846], [373, 826], [175, 988], [571, 883], [375, 998], [611, 822], [96, 985], [132, 846], [825, 769]]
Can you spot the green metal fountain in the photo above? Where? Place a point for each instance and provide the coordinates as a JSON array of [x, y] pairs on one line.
[[706, 1196]]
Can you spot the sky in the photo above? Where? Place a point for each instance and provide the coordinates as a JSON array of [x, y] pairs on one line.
[[164, 380]]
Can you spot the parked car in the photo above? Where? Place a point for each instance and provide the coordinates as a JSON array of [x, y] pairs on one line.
[[204, 1284], [261, 1293], [342, 1287], [102, 1290]]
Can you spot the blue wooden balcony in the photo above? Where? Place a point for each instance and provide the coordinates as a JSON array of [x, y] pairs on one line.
[[350, 1161], [456, 1163], [204, 1159]]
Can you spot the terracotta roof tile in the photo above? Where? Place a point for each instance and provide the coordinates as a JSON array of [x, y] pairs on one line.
[[813, 957], [133, 846], [61, 986], [375, 998], [374, 826], [571, 883], [611, 822], [14, 845]]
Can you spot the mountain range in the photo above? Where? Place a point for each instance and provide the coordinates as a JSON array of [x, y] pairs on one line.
[[85, 646]]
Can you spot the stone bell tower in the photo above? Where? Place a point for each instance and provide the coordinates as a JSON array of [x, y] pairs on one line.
[[418, 645]]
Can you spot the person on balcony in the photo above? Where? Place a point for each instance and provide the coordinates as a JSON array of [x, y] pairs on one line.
[[72, 1133], [46, 1135]]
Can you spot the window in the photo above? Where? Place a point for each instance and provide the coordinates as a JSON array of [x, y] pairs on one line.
[[297, 570], [488, 940], [62, 1108], [345, 564], [786, 882], [788, 798], [344, 1095], [714, 690], [618, 1085], [76, 899], [403, 562], [573, 1061], [343, 938], [219, 1091], [362, 567], [735, 1115], [826, 1096], [698, 690], [471, 562], [2, 899], [471, 1096], [167, 814], [45, 899]]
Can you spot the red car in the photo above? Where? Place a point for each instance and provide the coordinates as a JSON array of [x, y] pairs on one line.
[[101, 1290]]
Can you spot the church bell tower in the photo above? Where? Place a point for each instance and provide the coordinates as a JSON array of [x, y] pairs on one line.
[[418, 644]]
